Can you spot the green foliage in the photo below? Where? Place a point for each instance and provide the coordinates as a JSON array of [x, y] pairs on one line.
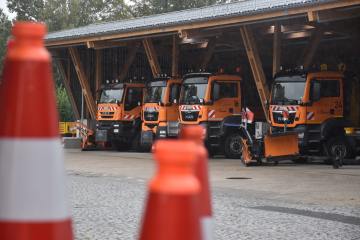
[[5, 26], [64, 106], [148, 7], [27, 9]]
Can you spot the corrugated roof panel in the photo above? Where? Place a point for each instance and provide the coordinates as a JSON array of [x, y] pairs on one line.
[[244, 7]]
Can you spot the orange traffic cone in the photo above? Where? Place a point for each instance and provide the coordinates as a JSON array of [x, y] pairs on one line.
[[172, 206], [32, 191], [196, 133]]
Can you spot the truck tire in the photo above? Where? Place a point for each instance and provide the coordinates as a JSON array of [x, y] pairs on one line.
[[233, 146], [338, 147]]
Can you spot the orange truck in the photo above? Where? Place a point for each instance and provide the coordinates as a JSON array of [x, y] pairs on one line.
[[160, 110], [119, 115], [320, 107], [212, 100]]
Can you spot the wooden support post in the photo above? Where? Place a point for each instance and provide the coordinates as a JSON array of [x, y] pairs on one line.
[[175, 56], [277, 48], [84, 82], [311, 48], [256, 67], [133, 48], [208, 53], [152, 57], [66, 82], [98, 72]]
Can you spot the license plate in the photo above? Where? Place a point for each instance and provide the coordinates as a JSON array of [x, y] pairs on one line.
[[116, 130]]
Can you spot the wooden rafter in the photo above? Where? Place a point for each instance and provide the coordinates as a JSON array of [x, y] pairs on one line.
[[152, 57], [256, 67], [98, 71], [84, 82], [104, 44], [132, 50], [312, 46], [208, 53], [277, 48], [175, 56], [298, 11], [66, 82]]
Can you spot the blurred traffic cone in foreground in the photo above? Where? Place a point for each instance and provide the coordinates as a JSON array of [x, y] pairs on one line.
[[32, 192], [172, 205], [196, 133]]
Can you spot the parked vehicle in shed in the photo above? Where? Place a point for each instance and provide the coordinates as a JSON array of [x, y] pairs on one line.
[[210, 100], [320, 105], [119, 115], [160, 112]]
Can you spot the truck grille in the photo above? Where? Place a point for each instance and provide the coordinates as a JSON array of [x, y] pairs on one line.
[[189, 116], [151, 116], [278, 118]]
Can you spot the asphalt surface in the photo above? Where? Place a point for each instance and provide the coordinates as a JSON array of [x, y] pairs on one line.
[[312, 201]]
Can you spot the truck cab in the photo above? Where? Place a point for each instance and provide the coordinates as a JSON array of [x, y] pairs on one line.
[[160, 113], [119, 115], [318, 108], [210, 100]]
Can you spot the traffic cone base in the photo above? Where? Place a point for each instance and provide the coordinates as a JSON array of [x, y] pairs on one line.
[[166, 219], [59, 230]]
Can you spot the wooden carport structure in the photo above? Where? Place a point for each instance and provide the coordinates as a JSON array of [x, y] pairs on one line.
[[258, 35]]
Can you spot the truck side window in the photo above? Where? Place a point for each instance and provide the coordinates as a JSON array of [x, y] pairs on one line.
[[174, 93], [224, 90], [330, 88], [133, 97]]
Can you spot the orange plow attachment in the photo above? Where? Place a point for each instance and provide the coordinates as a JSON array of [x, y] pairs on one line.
[[281, 145]]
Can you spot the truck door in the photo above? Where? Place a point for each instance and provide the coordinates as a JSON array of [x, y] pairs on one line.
[[172, 113], [226, 99], [327, 104], [133, 102]]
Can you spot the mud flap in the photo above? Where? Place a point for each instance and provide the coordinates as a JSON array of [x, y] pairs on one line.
[[281, 145]]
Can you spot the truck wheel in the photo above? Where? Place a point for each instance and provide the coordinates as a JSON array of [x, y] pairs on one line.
[[338, 147], [233, 146]]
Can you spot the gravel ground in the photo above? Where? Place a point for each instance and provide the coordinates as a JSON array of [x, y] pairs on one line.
[[109, 207]]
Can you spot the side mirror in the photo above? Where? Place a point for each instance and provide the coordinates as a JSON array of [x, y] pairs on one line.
[[315, 91]]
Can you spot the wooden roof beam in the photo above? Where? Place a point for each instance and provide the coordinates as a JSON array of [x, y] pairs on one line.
[[152, 57], [130, 58], [208, 53], [84, 82], [104, 44], [277, 48], [256, 67], [66, 81], [175, 57]]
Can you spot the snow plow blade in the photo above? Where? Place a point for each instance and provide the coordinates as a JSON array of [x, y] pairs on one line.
[[281, 145]]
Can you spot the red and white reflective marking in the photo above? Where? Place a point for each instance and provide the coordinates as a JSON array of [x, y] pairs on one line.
[[129, 117], [190, 107], [211, 114], [152, 109], [32, 180], [107, 108], [290, 109], [207, 228], [310, 116]]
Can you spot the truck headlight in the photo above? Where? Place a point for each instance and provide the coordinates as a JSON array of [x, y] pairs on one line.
[[301, 135], [116, 130]]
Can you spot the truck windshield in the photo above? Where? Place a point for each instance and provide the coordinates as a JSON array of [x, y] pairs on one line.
[[288, 90], [193, 93], [155, 94], [111, 95]]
